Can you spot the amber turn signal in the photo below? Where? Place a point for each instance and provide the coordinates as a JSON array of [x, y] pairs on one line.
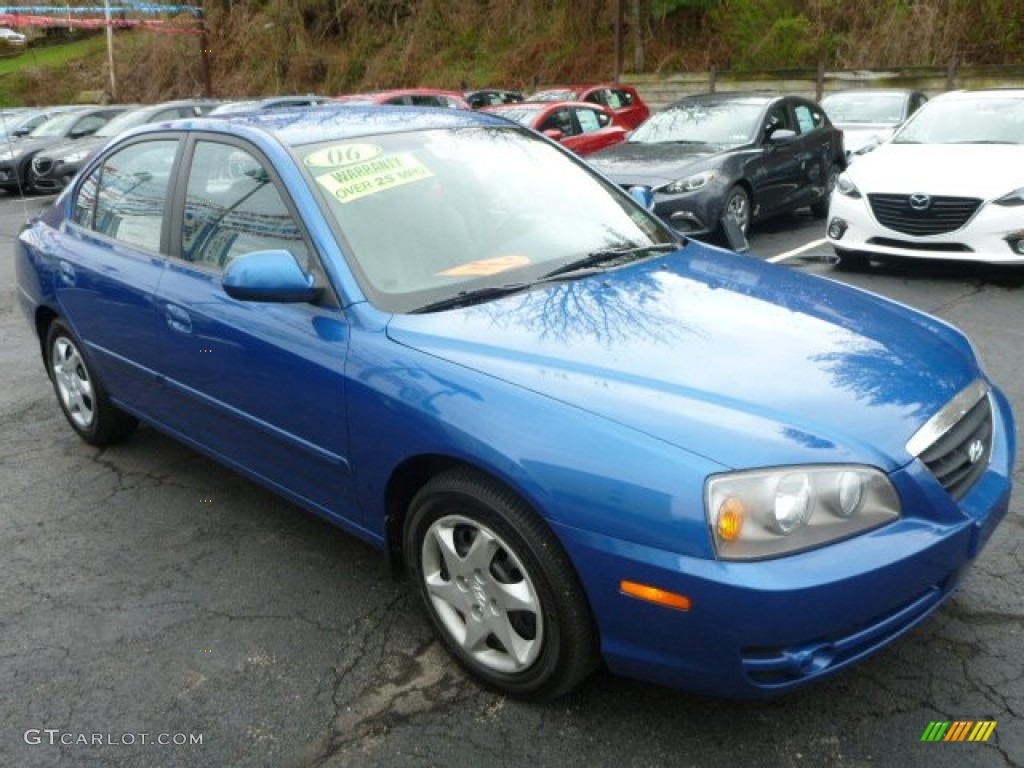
[[655, 595]]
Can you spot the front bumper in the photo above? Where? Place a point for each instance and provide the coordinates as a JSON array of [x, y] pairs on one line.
[[766, 627], [990, 236]]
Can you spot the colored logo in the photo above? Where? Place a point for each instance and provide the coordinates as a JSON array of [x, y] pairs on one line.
[[959, 730]]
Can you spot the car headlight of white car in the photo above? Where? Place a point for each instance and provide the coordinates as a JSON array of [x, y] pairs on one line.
[[690, 183], [770, 512], [845, 186], [1014, 198]]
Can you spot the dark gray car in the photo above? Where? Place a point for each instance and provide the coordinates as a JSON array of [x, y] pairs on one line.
[[748, 156]]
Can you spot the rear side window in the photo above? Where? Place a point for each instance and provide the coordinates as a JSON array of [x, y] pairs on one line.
[[125, 197]]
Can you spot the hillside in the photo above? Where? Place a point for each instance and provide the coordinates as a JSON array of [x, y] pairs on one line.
[[336, 46]]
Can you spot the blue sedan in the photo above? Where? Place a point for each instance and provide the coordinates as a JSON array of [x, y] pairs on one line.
[[579, 437]]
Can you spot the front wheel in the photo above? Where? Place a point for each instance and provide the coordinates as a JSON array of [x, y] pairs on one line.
[[498, 587], [80, 394], [737, 207]]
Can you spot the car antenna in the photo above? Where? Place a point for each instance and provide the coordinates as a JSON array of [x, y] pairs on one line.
[[17, 177]]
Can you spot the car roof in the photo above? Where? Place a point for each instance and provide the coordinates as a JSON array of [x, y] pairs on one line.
[[336, 122], [983, 93]]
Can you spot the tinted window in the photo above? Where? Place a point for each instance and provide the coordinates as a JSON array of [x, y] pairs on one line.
[[808, 118], [233, 207], [614, 99], [559, 120], [131, 193]]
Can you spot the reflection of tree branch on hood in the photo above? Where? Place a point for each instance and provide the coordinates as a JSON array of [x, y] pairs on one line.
[[595, 308]]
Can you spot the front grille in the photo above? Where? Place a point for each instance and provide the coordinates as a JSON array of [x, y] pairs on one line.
[[943, 214], [962, 444], [42, 165]]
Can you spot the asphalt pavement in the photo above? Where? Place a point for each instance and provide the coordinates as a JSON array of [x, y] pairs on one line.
[[159, 610]]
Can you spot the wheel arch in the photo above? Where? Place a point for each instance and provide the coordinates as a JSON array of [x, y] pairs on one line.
[[44, 317]]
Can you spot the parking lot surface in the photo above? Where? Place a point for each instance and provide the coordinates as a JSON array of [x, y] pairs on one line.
[[159, 610]]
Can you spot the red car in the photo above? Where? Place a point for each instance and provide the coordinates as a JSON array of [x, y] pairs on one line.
[[623, 100], [418, 97], [581, 127]]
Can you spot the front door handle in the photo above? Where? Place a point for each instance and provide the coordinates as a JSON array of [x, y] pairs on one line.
[[177, 318], [66, 272]]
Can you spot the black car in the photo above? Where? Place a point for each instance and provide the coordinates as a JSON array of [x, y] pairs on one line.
[[492, 97], [53, 168], [748, 156], [16, 159]]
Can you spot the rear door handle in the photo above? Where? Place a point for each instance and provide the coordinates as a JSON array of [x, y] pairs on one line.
[[177, 318]]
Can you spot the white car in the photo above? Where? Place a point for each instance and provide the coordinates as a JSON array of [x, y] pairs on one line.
[[11, 37], [948, 185]]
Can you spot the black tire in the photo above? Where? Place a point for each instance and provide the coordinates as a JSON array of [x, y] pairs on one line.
[[820, 209], [851, 261], [551, 626], [80, 393], [737, 205]]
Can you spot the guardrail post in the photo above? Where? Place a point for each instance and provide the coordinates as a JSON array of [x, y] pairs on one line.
[[954, 65], [819, 85]]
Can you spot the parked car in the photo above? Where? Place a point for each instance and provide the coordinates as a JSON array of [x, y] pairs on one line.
[[271, 102], [623, 100], [19, 123], [583, 128], [869, 116], [490, 97], [578, 436], [748, 156], [416, 97], [16, 159], [948, 185], [53, 168], [10, 37]]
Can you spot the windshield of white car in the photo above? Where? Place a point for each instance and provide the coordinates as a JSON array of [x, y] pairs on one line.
[[981, 120], [878, 108], [428, 215], [700, 122], [123, 122]]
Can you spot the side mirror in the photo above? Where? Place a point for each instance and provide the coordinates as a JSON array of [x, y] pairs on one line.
[[554, 133], [272, 276], [781, 136]]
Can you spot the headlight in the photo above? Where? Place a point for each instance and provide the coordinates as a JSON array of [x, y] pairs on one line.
[[771, 512], [1014, 198], [690, 183], [845, 186]]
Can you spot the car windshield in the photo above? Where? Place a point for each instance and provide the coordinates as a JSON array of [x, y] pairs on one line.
[[885, 108], [980, 120], [521, 114], [702, 122], [123, 122], [563, 95], [429, 215], [56, 126]]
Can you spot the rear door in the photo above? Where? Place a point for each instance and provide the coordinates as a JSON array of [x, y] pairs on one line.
[[110, 257]]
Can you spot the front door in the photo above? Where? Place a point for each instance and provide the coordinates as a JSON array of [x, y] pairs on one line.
[[261, 384]]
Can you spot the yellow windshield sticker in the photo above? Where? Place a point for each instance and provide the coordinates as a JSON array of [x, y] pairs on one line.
[[361, 179], [486, 267], [343, 154]]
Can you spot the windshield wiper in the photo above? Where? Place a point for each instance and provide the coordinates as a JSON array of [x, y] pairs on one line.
[[475, 296], [609, 257]]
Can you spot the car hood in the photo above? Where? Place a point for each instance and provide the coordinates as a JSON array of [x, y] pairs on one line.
[[66, 147], [651, 164], [742, 362], [860, 135], [962, 170], [28, 146]]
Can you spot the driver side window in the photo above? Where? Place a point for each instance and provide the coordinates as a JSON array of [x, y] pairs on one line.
[[232, 207]]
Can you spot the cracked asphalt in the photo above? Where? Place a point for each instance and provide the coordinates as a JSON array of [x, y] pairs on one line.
[[147, 590]]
